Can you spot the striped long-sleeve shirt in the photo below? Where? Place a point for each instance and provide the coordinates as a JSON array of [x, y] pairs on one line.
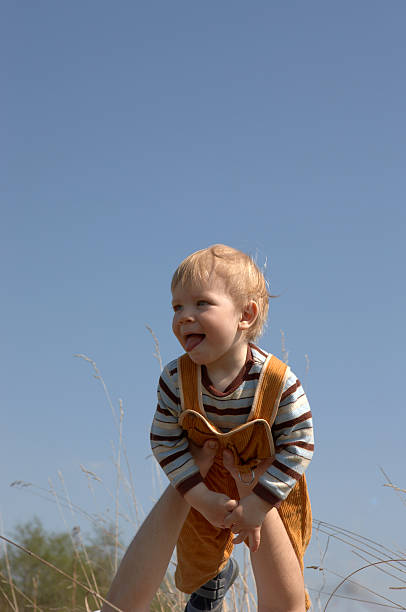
[[292, 430]]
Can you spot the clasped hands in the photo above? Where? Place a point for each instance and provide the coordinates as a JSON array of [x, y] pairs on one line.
[[245, 517]]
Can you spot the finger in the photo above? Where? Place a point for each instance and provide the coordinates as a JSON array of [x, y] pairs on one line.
[[227, 523], [263, 466], [204, 456], [231, 505], [228, 461], [211, 444], [229, 519], [254, 539]]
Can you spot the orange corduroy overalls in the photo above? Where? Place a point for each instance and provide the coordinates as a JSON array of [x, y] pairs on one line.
[[202, 549]]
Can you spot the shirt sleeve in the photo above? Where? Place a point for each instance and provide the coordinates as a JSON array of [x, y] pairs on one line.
[[294, 444], [169, 441]]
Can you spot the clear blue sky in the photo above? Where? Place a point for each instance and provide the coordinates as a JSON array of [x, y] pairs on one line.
[[135, 133]]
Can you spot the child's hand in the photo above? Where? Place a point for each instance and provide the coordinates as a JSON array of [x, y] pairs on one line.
[[252, 535], [246, 520], [250, 513], [213, 506]]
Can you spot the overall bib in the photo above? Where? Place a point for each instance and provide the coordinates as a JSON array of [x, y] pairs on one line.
[[202, 549]]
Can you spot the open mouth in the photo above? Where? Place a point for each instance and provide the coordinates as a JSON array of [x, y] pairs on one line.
[[192, 340]]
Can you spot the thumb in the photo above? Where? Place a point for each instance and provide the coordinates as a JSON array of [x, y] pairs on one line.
[[231, 505], [210, 448], [228, 460], [211, 444], [230, 518]]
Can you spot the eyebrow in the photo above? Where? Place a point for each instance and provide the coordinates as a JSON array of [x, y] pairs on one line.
[[203, 295]]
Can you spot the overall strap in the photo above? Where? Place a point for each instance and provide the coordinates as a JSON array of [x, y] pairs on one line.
[[269, 390], [189, 384], [267, 395]]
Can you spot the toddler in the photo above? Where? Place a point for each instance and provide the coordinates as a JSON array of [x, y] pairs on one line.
[[227, 389]]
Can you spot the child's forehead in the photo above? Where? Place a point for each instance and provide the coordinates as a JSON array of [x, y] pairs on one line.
[[198, 286]]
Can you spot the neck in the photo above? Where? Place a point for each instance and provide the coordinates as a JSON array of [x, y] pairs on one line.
[[222, 374]]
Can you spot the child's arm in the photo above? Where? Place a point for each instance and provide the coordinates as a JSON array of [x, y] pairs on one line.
[[170, 446], [275, 478], [293, 437], [213, 506], [169, 442]]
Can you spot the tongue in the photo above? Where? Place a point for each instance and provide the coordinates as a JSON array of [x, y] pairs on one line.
[[192, 341]]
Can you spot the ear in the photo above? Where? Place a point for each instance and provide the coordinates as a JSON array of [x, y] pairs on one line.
[[249, 315]]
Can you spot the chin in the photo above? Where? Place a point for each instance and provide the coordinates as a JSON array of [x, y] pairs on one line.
[[197, 359]]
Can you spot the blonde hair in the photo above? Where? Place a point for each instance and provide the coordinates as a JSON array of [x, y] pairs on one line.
[[244, 279]]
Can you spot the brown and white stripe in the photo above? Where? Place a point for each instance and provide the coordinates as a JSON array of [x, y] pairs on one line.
[[292, 429]]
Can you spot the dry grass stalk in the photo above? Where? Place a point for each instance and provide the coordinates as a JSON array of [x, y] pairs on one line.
[[360, 569], [244, 579], [2, 592], [374, 553], [61, 572], [99, 377], [77, 545], [90, 476], [118, 480], [396, 489], [117, 421], [29, 601], [74, 586], [48, 495], [367, 546], [284, 350], [157, 353], [75, 539], [35, 592], [168, 598], [10, 578]]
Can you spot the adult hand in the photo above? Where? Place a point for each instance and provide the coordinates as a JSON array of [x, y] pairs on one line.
[[204, 455], [244, 489], [251, 535]]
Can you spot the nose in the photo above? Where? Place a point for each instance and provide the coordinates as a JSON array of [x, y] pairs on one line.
[[185, 316]]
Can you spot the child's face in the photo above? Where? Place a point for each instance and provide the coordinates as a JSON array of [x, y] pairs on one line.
[[207, 322]]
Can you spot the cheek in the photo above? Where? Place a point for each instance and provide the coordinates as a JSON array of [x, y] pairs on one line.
[[174, 325]]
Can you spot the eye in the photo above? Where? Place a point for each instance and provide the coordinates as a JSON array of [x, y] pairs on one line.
[[202, 303], [176, 307]]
